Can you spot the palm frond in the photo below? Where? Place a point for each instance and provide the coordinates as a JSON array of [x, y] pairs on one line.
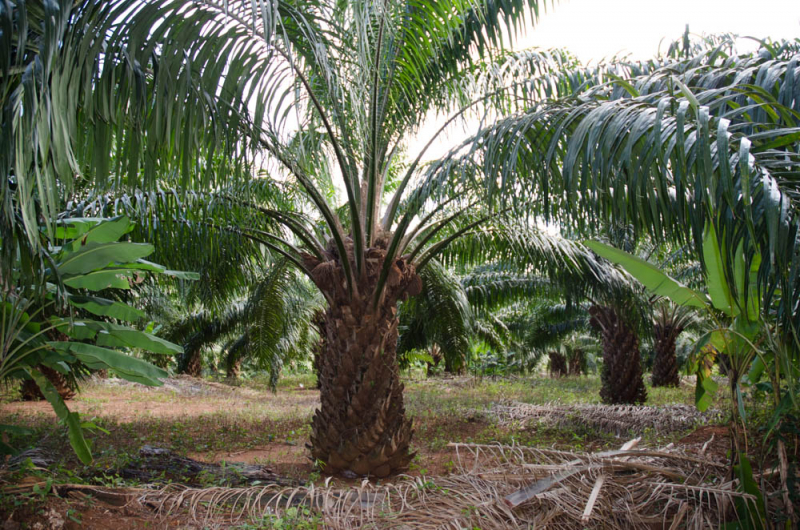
[[495, 286], [642, 157], [200, 330], [440, 315], [269, 326]]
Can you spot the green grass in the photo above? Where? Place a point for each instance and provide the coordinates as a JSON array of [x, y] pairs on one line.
[[440, 410], [251, 416]]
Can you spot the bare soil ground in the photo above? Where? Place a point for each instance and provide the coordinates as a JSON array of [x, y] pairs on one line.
[[217, 423]]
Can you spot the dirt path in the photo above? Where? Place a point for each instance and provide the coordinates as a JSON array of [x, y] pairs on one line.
[[180, 396]]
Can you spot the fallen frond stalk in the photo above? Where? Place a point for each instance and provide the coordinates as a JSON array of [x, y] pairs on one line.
[[496, 487], [587, 512]]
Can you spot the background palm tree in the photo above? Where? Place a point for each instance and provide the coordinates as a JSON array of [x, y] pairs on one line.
[[439, 320], [272, 325], [551, 326], [622, 380], [669, 322], [667, 146], [522, 306]]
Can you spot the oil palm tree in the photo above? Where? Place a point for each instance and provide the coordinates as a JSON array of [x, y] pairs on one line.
[[623, 318], [542, 327], [622, 380], [201, 329], [508, 292], [319, 61], [193, 94], [440, 319], [701, 136], [670, 321], [592, 295], [273, 324]]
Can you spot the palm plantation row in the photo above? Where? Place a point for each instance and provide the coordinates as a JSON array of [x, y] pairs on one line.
[[454, 322], [267, 152]]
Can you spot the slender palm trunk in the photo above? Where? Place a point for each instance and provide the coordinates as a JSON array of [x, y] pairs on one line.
[[361, 425], [622, 381], [665, 365]]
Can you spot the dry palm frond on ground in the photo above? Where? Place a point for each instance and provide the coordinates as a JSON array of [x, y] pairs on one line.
[[498, 487], [615, 419]]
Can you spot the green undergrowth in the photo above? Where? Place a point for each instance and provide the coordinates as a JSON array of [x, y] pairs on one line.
[[459, 410], [251, 416]]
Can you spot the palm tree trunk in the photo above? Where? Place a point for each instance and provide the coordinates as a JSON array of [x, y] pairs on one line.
[[30, 390], [319, 348], [453, 366], [234, 369], [622, 381], [361, 425], [558, 364], [191, 363], [576, 362], [665, 365]]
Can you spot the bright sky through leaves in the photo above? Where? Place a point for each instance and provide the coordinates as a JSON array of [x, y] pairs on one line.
[[597, 29], [593, 29]]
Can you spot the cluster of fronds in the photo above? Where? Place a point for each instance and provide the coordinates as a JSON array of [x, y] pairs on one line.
[[271, 326], [440, 315]]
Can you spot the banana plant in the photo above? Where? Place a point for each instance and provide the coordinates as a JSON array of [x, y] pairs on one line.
[[70, 322], [733, 305]]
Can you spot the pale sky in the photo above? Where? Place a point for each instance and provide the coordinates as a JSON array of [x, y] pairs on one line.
[[593, 29], [597, 29]]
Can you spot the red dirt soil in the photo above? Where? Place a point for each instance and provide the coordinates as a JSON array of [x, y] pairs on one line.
[[192, 398], [717, 436]]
